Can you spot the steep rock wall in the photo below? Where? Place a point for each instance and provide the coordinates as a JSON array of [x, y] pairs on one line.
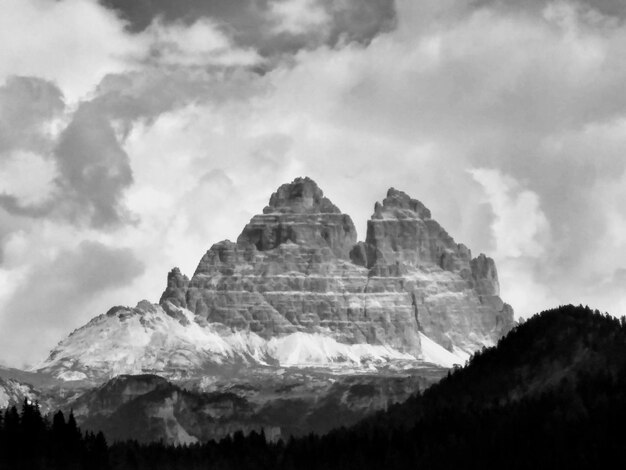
[[297, 268]]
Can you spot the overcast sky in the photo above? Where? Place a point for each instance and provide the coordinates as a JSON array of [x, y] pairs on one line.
[[134, 135]]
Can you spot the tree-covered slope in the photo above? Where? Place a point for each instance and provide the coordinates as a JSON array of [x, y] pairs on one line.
[[554, 349]]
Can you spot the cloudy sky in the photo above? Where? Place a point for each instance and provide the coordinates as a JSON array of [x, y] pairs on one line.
[[133, 135]]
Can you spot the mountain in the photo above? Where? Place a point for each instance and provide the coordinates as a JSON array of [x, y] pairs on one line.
[[297, 268], [296, 289], [295, 327]]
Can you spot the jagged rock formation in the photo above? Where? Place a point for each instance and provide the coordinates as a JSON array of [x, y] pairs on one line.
[[297, 290], [177, 285], [299, 213], [254, 340], [456, 298], [401, 235], [297, 268]]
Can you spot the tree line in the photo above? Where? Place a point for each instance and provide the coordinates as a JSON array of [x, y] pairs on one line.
[[30, 440]]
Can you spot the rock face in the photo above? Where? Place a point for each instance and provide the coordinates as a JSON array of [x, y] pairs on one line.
[[456, 298], [148, 408], [177, 285], [297, 290], [401, 235], [299, 213], [297, 268]]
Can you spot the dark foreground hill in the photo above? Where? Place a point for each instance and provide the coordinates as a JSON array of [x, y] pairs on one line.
[[552, 394]]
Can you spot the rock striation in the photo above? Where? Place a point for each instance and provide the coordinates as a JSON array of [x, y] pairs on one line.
[[299, 213], [456, 298], [297, 268]]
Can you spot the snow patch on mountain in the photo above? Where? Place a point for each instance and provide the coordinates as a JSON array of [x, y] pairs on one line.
[[303, 349], [71, 376], [436, 354], [173, 342], [148, 338]]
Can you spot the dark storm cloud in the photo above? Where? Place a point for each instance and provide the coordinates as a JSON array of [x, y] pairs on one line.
[[58, 290], [240, 14], [252, 24], [93, 174], [615, 8], [14, 206], [359, 20], [144, 95], [94, 169], [26, 104]]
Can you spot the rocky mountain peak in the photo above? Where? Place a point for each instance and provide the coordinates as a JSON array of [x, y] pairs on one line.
[[301, 196], [400, 205], [296, 289], [299, 213], [402, 235], [177, 284]]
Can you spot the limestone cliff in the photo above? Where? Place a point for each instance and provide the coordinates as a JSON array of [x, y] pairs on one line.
[[297, 268], [456, 298], [177, 285]]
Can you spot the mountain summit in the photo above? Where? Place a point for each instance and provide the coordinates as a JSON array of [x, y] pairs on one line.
[[301, 196], [296, 289]]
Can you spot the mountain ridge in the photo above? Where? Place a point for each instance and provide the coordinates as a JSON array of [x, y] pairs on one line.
[[295, 327], [297, 289]]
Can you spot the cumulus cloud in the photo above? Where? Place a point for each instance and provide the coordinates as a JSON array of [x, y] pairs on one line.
[[58, 290], [298, 16], [91, 173], [612, 8], [81, 145], [521, 235], [93, 168], [72, 43], [28, 108], [273, 27], [520, 227], [200, 43], [27, 179]]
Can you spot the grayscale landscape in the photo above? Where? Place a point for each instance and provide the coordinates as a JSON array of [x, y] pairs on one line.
[[310, 234]]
